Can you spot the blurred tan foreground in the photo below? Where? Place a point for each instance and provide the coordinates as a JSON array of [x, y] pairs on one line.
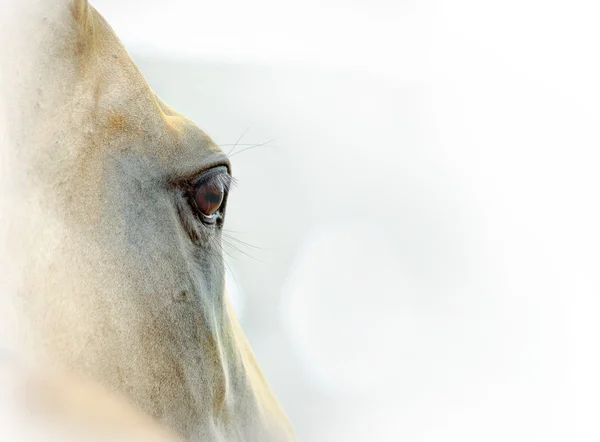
[[37, 406]]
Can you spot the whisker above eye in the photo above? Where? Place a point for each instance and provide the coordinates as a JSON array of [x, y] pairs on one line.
[[238, 140], [240, 144], [265, 144]]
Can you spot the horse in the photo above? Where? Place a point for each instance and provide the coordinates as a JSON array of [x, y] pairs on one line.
[[112, 206]]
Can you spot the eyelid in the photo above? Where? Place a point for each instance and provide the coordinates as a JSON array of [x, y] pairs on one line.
[[215, 175], [201, 162], [220, 172]]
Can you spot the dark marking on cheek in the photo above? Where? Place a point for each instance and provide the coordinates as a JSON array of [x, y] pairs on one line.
[[182, 296]]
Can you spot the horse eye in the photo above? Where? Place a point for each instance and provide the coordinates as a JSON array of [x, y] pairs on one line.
[[208, 197]]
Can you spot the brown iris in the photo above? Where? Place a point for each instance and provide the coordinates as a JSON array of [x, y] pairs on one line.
[[208, 197]]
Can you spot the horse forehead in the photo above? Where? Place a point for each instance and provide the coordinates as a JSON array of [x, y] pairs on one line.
[[121, 103]]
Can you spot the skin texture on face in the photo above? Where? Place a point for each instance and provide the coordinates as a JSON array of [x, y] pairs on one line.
[[109, 273]]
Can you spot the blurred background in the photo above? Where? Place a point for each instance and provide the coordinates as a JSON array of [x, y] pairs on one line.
[[413, 245]]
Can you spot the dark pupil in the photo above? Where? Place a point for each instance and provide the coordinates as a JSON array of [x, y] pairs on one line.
[[212, 198], [209, 198]]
